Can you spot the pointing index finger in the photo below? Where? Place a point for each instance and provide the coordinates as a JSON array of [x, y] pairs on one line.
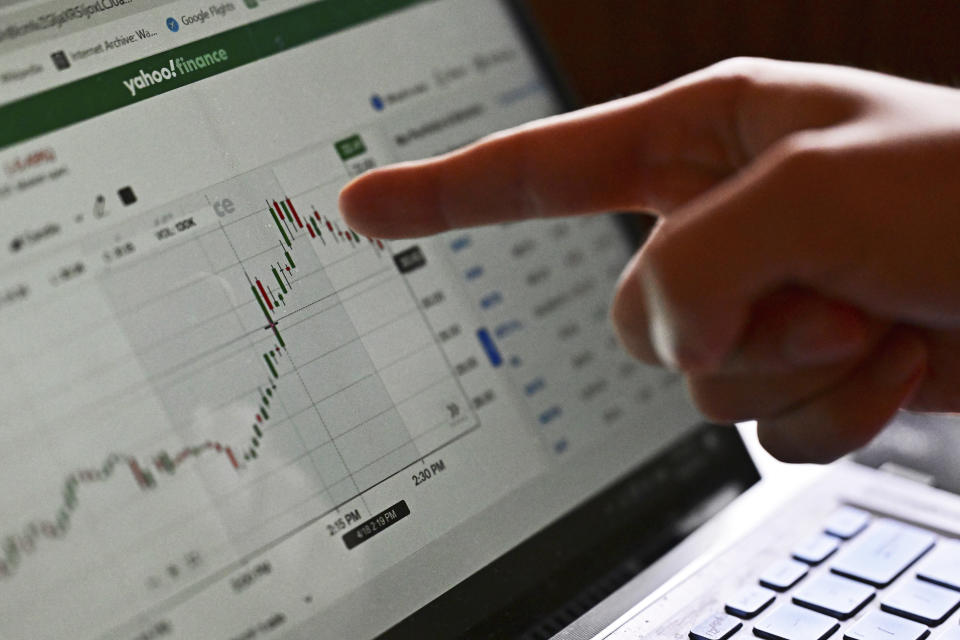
[[652, 150]]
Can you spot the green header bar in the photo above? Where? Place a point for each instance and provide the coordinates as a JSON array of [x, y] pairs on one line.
[[148, 77]]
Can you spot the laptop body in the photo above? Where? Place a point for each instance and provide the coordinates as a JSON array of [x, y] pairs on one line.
[[774, 523], [227, 415]]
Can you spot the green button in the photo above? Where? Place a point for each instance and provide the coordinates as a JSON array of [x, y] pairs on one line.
[[350, 147]]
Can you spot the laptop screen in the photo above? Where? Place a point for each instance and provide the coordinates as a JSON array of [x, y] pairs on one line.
[[225, 414]]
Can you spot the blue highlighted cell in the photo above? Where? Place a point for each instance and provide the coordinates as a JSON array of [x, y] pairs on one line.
[[490, 347], [534, 386], [460, 243], [507, 328], [474, 272], [491, 300], [550, 415]]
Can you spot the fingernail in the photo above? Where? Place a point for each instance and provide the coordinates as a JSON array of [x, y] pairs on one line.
[[901, 361], [820, 340], [663, 335], [674, 354], [662, 339]]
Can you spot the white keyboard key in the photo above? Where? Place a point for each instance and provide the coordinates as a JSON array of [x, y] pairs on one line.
[[719, 626], [847, 522], [921, 601], [816, 549], [942, 566], [783, 574], [878, 625], [882, 552], [791, 622], [750, 601], [834, 596]]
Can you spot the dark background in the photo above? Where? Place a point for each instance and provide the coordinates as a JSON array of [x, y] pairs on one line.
[[610, 48]]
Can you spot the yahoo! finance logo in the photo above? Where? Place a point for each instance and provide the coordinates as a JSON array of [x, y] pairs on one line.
[[173, 68]]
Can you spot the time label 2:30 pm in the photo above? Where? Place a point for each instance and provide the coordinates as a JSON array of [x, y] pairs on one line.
[[427, 472]]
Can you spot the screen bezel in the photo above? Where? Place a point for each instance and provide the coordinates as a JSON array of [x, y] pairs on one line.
[[545, 582]]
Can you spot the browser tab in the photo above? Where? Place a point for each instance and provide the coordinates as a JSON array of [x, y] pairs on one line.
[[203, 14], [58, 18]]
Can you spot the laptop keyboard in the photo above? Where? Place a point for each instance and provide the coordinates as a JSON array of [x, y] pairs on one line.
[[853, 565]]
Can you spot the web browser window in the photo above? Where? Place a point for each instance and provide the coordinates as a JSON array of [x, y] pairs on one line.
[[226, 414]]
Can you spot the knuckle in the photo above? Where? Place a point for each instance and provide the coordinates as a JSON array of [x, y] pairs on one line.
[[742, 70], [802, 155], [802, 182]]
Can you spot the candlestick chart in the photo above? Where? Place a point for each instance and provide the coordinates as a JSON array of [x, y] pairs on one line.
[[288, 363]]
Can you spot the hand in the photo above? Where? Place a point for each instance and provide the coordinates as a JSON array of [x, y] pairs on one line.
[[805, 271]]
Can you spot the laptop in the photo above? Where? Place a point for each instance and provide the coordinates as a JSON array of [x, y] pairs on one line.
[[226, 414]]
